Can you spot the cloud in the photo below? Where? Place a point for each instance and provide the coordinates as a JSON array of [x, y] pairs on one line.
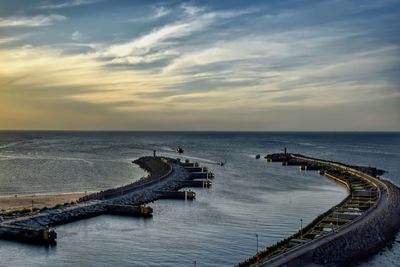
[[157, 13], [238, 67], [36, 21], [12, 39], [71, 3], [191, 10], [76, 36], [144, 43], [377, 4], [150, 58], [243, 48], [160, 12], [178, 29], [200, 64]]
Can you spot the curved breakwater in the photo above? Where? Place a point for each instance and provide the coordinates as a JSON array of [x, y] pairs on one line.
[[359, 226]]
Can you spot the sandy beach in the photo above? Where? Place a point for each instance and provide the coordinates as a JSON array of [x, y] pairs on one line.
[[17, 202]]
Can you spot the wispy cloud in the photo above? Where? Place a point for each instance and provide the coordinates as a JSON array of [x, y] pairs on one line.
[[160, 12], [157, 12], [197, 22], [36, 21], [236, 66], [66, 4], [153, 57], [191, 10], [12, 39], [144, 43], [76, 36]]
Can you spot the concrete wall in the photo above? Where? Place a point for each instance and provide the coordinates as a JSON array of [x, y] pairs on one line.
[[371, 234]]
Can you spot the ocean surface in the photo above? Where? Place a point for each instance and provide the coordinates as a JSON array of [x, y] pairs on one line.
[[219, 228]]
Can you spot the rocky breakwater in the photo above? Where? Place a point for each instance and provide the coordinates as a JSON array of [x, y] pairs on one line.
[[367, 235], [362, 224], [165, 174]]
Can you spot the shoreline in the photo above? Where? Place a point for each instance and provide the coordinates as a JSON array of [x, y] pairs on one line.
[[41, 200]]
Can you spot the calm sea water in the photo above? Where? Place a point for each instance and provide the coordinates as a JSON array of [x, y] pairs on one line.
[[248, 196]]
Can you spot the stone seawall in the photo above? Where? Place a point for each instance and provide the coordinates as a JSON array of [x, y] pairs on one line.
[[362, 224], [54, 217], [372, 233], [156, 168], [359, 241]]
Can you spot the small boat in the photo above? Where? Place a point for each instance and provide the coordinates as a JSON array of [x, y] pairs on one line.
[[258, 156], [179, 150]]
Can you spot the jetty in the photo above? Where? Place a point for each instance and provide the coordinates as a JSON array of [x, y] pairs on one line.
[[166, 176], [359, 226]]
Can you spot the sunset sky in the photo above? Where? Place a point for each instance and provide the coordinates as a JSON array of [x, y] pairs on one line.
[[200, 65]]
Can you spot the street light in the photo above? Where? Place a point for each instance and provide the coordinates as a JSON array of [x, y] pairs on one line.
[[337, 219], [301, 228], [257, 243]]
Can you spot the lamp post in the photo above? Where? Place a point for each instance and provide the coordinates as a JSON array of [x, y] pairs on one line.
[[301, 228], [337, 219], [257, 242]]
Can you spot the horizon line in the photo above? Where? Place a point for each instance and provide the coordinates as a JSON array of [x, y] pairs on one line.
[[206, 131]]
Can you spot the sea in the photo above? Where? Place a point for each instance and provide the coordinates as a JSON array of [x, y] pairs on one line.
[[252, 203]]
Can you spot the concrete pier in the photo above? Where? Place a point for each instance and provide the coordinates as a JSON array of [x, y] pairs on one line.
[[186, 195], [28, 235], [202, 175], [198, 183], [129, 210], [189, 164], [196, 169]]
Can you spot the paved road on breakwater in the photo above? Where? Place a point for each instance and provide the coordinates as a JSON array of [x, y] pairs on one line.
[[303, 253]]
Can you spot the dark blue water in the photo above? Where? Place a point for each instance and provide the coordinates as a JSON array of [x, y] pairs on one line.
[[248, 196]]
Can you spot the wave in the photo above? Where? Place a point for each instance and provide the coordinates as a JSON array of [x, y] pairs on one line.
[[10, 144], [12, 157], [174, 155]]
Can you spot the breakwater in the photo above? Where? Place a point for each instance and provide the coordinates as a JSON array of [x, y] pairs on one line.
[[166, 177], [364, 222]]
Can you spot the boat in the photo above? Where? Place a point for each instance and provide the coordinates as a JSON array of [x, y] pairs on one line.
[[179, 150], [258, 156]]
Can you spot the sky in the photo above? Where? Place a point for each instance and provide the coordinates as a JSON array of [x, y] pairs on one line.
[[271, 65]]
